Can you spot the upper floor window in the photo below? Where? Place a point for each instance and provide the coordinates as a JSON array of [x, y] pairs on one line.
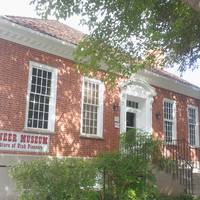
[[193, 132], [41, 97], [169, 119], [92, 107]]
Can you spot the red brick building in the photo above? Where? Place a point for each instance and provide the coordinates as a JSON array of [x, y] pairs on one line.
[[47, 108]]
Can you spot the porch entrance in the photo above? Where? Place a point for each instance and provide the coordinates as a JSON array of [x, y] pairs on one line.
[[136, 105]]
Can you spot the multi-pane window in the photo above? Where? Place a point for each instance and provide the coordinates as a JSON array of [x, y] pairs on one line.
[[132, 104], [192, 125], [41, 97], [92, 105], [169, 120]]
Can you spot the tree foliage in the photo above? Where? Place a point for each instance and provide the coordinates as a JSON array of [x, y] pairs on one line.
[[126, 35]]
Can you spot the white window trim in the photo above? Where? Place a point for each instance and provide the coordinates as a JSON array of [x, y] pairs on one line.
[[174, 125], [100, 111], [196, 126], [52, 103]]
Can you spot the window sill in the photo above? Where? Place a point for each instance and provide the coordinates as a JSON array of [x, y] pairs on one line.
[[92, 137], [38, 131]]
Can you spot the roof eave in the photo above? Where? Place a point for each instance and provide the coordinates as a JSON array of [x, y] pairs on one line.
[[34, 39], [170, 84]]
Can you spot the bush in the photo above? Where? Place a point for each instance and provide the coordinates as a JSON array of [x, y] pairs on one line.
[[55, 179], [123, 175], [128, 173]]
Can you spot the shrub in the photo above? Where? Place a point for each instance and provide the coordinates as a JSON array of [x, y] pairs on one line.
[[55, 179], [128, 173], [123, 175]]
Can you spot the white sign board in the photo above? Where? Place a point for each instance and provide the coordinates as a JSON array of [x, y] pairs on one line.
[[26, 142]]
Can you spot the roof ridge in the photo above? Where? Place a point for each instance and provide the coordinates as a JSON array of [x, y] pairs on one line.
[[12, 17], [33, 18]]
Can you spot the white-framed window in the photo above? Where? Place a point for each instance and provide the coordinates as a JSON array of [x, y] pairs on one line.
[[92, 107], [193, 129], [169, 120], [41, 98]]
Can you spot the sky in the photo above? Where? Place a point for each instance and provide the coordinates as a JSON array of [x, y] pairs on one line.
[[22, 8]]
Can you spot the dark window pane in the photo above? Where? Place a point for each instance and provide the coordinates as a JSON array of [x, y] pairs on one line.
[[41, 99], [49, 75], [32, 88], [35, 115], [34, 123], [37, 98], [39, 81], [46, 116], [36, 106], [40, 124], [44, 82], [44, 74], [31, 97], [43, 90], [48, 91], [87, 130], [130, 119], [95, 123], [41, 107], [29, 123], [47, 100], [34, 72], [38, 89], [34, 80], [46, 108], [39, 72], [41, 114], [49, 83], [30, 114], [30, 106], [45, 125]]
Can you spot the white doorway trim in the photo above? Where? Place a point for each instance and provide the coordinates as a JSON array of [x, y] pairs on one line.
[[140, 91]]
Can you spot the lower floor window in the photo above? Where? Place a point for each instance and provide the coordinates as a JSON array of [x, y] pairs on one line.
[[41, 97], [168, 131], [193, 125], [92, 107], [169, 120]]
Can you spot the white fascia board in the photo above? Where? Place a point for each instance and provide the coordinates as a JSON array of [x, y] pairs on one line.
[[25, 36], [169, 84]]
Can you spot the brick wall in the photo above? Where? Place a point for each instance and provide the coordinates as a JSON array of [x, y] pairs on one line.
[[14, 63], [182, 102]]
